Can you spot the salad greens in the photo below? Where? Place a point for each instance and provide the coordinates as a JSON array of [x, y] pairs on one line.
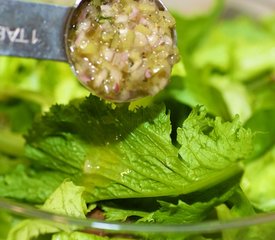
[[86, 138], [202, 149]]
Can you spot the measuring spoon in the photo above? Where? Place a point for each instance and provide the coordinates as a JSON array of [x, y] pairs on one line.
[[117, 72]]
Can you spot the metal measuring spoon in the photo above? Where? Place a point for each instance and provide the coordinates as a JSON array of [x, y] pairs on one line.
[[44, 31]]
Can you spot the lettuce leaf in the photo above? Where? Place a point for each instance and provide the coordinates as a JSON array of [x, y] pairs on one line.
[[238, 59], [117, 154], [192, 29], [67, 199], [28, 184], [6, 222], [192, 88], [262, 124], [124, 154], [229, 64], [16, 117], [258, 182], [191, 208], [84, 236], [239, 206], [43, 82], [17, 114], [11, 144]]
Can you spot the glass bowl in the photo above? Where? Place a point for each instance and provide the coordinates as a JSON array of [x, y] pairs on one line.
[[243, 228], [239, 228]]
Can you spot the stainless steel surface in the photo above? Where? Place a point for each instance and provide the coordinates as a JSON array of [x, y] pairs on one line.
[[33, 30], [36, 30]]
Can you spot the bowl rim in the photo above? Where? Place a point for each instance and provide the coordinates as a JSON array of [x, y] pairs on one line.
[[213, 226], [208, 226]]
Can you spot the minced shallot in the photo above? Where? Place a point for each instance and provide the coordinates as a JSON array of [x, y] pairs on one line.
[[123, 50]]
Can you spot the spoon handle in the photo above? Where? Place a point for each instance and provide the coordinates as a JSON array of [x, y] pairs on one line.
[[33, 30]]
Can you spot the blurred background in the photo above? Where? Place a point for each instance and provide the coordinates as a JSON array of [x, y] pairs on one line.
[[259, 7], [195, 6]]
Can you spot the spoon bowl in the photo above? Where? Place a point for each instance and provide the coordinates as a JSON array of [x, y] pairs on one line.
[[121, 50]]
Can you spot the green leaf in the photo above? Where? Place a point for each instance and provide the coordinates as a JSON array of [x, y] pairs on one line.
[[238, 206], [66, 199], [231, 70], [11, 144], [194, 207], [46, 82], [186, 209], [203, 92], [258, 181], [262, 124], [28, 184], [126, 154], [180, 213], [119, 213], [193, 88], [31, 229], [84, 236], [191, 30], [6, 222], [261, 92], [211, 143], [231, 47], [18, 114], [8, 164], [235, 96]]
